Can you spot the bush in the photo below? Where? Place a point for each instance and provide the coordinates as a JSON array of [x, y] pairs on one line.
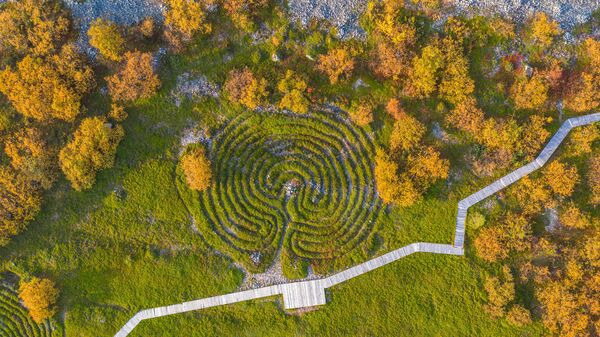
[[92, 148], [196, 168], [39, 296], [105, 36], [135, 80], [244, 88]]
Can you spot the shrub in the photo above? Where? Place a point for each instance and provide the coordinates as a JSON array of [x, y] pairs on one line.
[[406, 133], [293, 88], [361, 111], [244, 88], [336, 63], [196, 168], [39, 297], [105, 36], [135, 80], [186, 17], [92, 148]]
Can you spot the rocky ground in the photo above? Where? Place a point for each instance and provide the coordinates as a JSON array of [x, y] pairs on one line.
[[344, 14], [124, 12]]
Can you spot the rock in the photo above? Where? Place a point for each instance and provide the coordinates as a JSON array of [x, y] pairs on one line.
[[275, 57], [359, 84], [343, 14]]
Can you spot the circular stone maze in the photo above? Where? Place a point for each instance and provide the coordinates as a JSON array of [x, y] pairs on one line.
[[15, 320], [295, 187]]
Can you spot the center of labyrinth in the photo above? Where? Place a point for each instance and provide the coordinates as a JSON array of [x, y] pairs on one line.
[[301, 185]]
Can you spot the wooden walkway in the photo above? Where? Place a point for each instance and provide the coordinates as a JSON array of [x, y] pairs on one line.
[[312, 293]]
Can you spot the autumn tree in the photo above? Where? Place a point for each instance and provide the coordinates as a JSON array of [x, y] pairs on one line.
[[427, 166], [293, 88], [32, 26], [20, 202], [31, 154], [534, 135], [500, 291], [361, 111], [39, 296], [135, 80], [425, 71], [466, 116], [196, 168], [394, 108], [92, 148], [531, 195], [593, 179], [406, 133], [541, 30], [530, 93], [392, 188], [187, 17], [105, 36], [455, 85], [583, 89], [518, 316], [488, 245], [582, 139], [338, 62], [48, 88], [571, 216], [117, 113], [242, 12], [244, 88], [388, 63], [561, 178]]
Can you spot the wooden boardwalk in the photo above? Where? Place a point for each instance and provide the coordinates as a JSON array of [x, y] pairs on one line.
[[312, 293]]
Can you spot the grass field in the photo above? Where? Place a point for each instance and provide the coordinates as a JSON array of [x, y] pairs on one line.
[[128, 244]]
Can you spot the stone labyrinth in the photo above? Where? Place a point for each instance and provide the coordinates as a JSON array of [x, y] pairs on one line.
[[302, 184]]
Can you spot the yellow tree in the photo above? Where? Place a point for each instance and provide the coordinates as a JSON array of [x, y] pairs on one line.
[[92, 148], [488, 245], [582, 139], [196, 168], [20, 202], [386, 177], [30, 153], [336, 63], [187, 17], [455, 85], [534, 135], [466, 116], [135, 80], [244, 88], [406, 133], [39, 297], [560, 178], [361, 111], [293, 88], [105, 36], [593, 179], [48, 88], [32, 26], [541, 30], [530, 93], [425, 71], [427, 166]]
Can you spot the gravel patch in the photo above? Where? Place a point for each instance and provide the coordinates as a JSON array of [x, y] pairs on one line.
[[123, 12], [191, 87], [568, 13], [343, 14]]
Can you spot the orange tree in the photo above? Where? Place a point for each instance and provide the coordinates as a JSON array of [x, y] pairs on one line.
[[39, 297]]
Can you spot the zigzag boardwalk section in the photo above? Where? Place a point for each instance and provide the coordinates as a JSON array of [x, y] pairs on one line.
[[312, 293]]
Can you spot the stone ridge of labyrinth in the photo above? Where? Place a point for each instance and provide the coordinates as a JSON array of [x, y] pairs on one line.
[[302, 184], [15, 320]]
